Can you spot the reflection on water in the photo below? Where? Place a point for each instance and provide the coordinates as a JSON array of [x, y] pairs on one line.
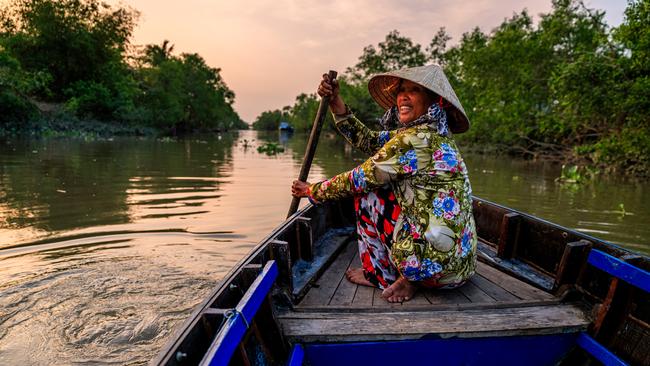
[[105, 246], [608, 208]]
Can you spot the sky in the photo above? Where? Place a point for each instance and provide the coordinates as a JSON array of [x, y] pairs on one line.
[[269, 51]]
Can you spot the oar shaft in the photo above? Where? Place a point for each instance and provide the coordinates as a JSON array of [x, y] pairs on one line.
[[311, 145]]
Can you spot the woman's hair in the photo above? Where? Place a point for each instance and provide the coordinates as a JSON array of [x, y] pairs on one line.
[[433, 96]]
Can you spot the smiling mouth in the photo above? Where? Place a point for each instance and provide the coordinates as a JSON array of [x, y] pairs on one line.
[[405, 109]]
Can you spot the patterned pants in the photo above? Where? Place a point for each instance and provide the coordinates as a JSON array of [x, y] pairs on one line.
[[377, 213]]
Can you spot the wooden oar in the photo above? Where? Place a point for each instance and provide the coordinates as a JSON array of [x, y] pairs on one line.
[[311, 145]]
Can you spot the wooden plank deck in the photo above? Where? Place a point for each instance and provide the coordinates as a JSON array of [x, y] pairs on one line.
[[491, 303], [489, 287]]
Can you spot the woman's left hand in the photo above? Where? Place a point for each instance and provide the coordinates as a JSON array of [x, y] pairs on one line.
[[300, 188]]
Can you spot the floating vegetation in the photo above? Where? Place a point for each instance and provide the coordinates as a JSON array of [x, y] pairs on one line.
[[622, 212], [270, 148], [574, 174]]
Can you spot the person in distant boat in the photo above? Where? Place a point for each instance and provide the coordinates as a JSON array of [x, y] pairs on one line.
[[412, 197]]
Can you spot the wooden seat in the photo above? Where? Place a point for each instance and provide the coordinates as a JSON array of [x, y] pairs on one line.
[[402, 325]]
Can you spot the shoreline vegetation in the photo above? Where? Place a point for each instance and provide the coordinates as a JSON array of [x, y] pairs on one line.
[[569, 89], [67, 67]]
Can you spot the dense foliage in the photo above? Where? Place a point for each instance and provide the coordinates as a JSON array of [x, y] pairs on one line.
[[76, 54], [15, 107], [568, 87], [270, 120], [184, 91]]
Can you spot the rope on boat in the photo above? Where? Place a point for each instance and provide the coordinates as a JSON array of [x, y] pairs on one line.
[[232, 313]]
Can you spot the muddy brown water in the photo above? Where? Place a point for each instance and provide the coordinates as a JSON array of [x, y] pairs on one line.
[[106, 246]]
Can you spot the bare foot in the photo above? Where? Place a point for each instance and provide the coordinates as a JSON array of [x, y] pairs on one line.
[[400, 291], [355, 275]]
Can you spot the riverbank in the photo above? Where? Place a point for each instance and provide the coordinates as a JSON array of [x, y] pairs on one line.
[[577, 168], [607, 158], [61, 124], [70, 126]]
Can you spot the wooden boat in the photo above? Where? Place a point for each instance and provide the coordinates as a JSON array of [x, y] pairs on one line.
[[542, 295]]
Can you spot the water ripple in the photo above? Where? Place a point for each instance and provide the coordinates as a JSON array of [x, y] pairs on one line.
[[105, 247], [76, 305]]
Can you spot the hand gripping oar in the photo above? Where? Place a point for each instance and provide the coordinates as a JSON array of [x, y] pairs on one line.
[[311, 145]]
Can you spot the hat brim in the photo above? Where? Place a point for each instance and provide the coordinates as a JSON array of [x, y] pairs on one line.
[[383, 89]]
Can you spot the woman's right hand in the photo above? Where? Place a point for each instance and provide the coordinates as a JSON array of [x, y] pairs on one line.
[[328, 88], [300, 188]]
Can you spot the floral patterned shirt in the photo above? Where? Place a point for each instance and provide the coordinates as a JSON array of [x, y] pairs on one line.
[[435, 235]]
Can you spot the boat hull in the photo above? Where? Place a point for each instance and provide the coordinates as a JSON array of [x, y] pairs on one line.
[[530, 268]]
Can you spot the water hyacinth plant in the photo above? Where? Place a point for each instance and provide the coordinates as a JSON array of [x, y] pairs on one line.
[[270, 148]]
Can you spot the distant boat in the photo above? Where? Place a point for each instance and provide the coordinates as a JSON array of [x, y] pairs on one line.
[[542, 295], [285, 126]]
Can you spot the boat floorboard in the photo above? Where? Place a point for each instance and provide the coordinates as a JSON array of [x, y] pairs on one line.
[[489, 287], [491, 303]]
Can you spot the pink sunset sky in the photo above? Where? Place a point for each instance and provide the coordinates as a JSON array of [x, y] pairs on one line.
[[269, 51]]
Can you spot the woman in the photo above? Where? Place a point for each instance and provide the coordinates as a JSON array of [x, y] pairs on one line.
[[413, 196]]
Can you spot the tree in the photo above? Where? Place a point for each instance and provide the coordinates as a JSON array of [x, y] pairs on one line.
[[301, 114], [356, 95], [394, 53], [155, 55], [438, 47], [72, 40], [269, 120], [15, 106], [634, 39], [183, 92], [77, 51], [608, 94]]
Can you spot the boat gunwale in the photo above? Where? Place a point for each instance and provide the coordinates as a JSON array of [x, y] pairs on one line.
[[183, 330], [605, 243]]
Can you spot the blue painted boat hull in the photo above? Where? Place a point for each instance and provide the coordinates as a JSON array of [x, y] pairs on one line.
[[503, 351]]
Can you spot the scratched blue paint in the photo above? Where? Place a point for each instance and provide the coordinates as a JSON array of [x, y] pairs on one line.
[[601, 353], [226, 342], [257, 292], [230, 335], [618, 268], [297, 356], [502, 351]]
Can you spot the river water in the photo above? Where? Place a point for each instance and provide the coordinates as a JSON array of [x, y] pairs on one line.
[[106, 246]]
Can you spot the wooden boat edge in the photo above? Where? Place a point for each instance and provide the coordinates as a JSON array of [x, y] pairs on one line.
[[609, 248], [183, 329]]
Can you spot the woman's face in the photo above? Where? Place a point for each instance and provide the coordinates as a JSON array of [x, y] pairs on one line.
[[412, 101]]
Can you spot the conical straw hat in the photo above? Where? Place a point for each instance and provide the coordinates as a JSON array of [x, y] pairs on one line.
[[383, 88]]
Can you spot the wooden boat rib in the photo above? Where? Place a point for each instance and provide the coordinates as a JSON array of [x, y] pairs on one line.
[[542, 294]]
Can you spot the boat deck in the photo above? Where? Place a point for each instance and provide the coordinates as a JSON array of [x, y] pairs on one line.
[[488, 287], [491, 303]]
